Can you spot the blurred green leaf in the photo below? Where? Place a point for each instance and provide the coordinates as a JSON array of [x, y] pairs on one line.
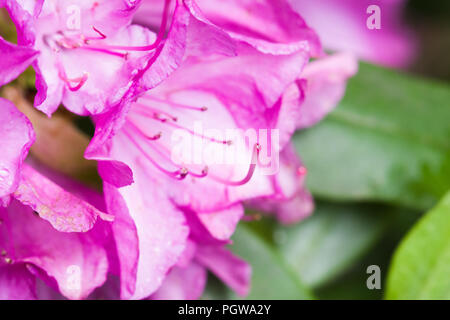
[[310, 253], [7, 28], [389, 140], [333, 238], [271, 276], [328, 252], [420, 268], [352, 284], [215, 289]]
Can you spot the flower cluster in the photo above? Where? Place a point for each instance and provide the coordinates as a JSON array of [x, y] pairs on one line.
[[148, 73]]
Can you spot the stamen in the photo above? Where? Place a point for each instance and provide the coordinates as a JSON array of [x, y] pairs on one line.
[[155, 113], [179, 174], [262, 165], [203, 174], [173, 104], [102, 36], [154, 45], [196, 134], [61, 41], [183, 172], [125, 48], [302, 171], [103, 49], [156, 136], [250, 172], [80, 80]]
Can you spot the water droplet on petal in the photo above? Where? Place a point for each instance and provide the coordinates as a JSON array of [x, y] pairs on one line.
[[3, 173]]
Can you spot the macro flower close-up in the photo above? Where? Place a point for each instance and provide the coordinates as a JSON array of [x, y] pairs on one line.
[[223, 149]]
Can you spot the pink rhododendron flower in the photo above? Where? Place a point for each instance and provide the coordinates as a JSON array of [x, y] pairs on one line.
[[269, 26], [324, 83], [212, 66], [72, 263], [15, 59], [229, 79], [187, 280], [86, 54], [32, 247], [342, 26], [19, 180]]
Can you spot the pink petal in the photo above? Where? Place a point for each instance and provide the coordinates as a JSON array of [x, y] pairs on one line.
[[109, 123], [15, 59], [183, 283], [17, 136], [291, 202], [270, 26], [161, 65], [155, 236], [235, 272], [222, 224], [74, 263], [341, 26], [17, 283], [326, 80], [23, 13], [66, 212]]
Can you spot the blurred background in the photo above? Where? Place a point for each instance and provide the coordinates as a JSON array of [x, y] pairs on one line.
[[430, 21]]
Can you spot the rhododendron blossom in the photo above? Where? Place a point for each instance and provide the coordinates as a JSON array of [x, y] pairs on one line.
[[32, 247], [86, 54], [239, 82], [149, 73]]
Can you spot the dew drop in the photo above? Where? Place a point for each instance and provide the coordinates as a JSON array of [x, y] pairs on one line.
[[3, 174]]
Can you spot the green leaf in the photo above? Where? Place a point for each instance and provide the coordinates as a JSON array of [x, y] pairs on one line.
[[331, 240], [387, 141], [420, 268], [352, 284], [271, 276], [331, 248]]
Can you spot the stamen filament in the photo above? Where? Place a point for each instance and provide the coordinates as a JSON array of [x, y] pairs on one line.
[[179, 174], [203, 174], [103, 49], [154, 112], [225, 142], [250, 172], [173, 104], [80, 80], [102, 36], [154, 45]]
